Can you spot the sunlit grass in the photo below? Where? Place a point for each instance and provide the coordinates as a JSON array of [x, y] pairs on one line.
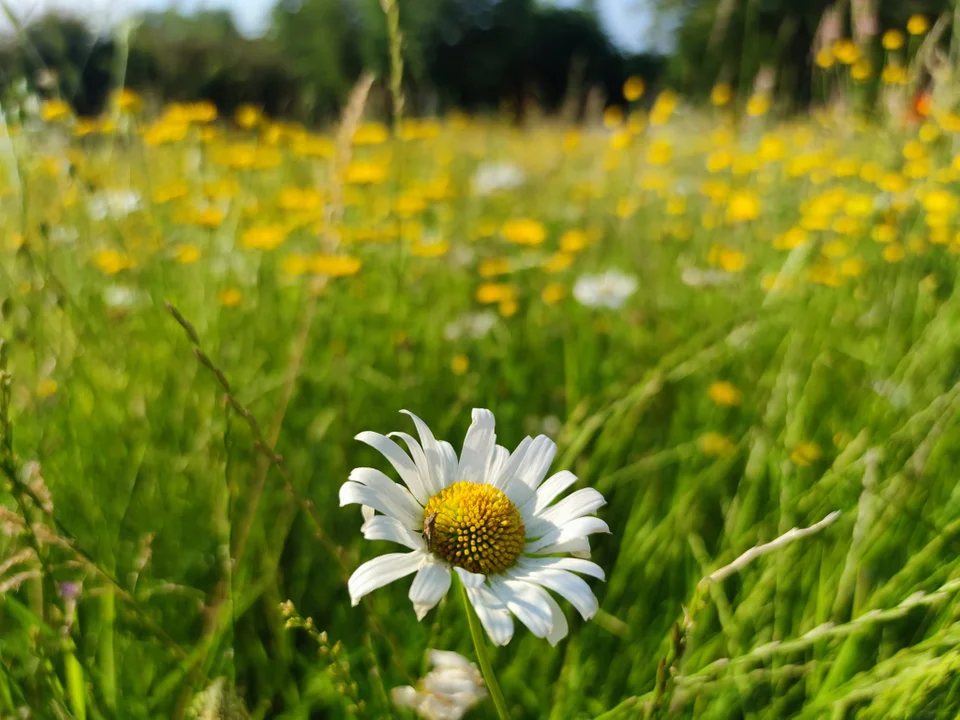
[[779, 343]]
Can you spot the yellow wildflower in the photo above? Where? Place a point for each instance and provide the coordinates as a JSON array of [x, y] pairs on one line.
[[186, 254], [917, 25], [633, 88], [716, 445], [459, 364], [111, 261], [230, 297], [892, 39], [524, 231], [264, 237], [805, 454], [335, 265], [553, 293], [724, 393]]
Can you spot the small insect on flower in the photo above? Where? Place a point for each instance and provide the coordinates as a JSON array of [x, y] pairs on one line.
[[489, 516]]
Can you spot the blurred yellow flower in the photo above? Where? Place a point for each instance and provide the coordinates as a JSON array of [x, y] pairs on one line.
[[633, 88], [54, 110], [846, 51], [716, 445], [248, 116], [365, 173], [660, 152], [171, 191], [508, 307], [893, 253], [294, 265], [230, 297], [186, 254], [861, 70], [573, 241], [334, 265], [894, 74], [721, 94], [264, 237], [489, 293], [742, 206], [492, 267], [111, 261], [805, 454], [613, 116], [553, 293], [758, 105], [558, 262], [126, 101], [371, 134], [893, 39], [459, 364], [724, 393], [825, 58], [46, 388], [436, 248], [917, 25], [851, 267], [524, 231]]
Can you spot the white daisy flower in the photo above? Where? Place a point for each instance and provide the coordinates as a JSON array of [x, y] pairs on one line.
[[495, 177], [488, 515], [449, 690], [611, 289]]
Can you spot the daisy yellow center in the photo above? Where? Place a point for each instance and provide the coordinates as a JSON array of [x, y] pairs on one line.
[[475, 527]]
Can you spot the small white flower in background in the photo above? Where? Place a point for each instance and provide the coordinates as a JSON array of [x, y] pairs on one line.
[[119, 297], [494, 177], [490, 516], [64, 235], [450, 689], [610, 290], [114, 203], [472, 325]]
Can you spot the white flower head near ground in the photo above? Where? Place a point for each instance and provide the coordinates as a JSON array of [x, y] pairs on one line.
[[610, 289], [447, 692], [488, 515]]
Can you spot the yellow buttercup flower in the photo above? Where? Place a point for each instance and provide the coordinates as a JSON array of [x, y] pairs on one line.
[[805, 454], [54, 110], [489, 293], [720, 94], [633, 88], [742, 206], [553, 293], [264, 237], [573, 241], [893, 39], [230, 297], [917, 25], [758, 105], [111, 261], [613, 116], [459, 364], [524, 231], [334, 265], [716, 445], [725, 393], [46, 388], [846, 51], [186, 254]]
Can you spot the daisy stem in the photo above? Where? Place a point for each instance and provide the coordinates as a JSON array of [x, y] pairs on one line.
[[486, 667]]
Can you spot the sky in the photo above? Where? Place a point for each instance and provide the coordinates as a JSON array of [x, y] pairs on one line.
[[629, 23]]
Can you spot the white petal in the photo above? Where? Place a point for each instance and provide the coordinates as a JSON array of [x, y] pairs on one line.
[[469, 579], [565, 584], [404, 696], [381, 571], [559, 620], [549, 491], [434, 454], [578, 547], [354, 492], [509, 469], [429, 586], [583, 502], [537, 461], [420, 460], [383, 527], [450, 462], [493, 614], [376, 480], [584, 567], [526, 601], [401, 462], [478, 447], [581, 527], [367, 512], [450, 659], [500, 458]]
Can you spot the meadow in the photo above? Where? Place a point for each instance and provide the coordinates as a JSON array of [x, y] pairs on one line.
[[731, 324]]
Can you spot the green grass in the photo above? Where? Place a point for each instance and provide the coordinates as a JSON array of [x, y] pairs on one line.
[[156, 479]]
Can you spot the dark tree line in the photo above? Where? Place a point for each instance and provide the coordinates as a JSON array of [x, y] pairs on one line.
[[472, 54]]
